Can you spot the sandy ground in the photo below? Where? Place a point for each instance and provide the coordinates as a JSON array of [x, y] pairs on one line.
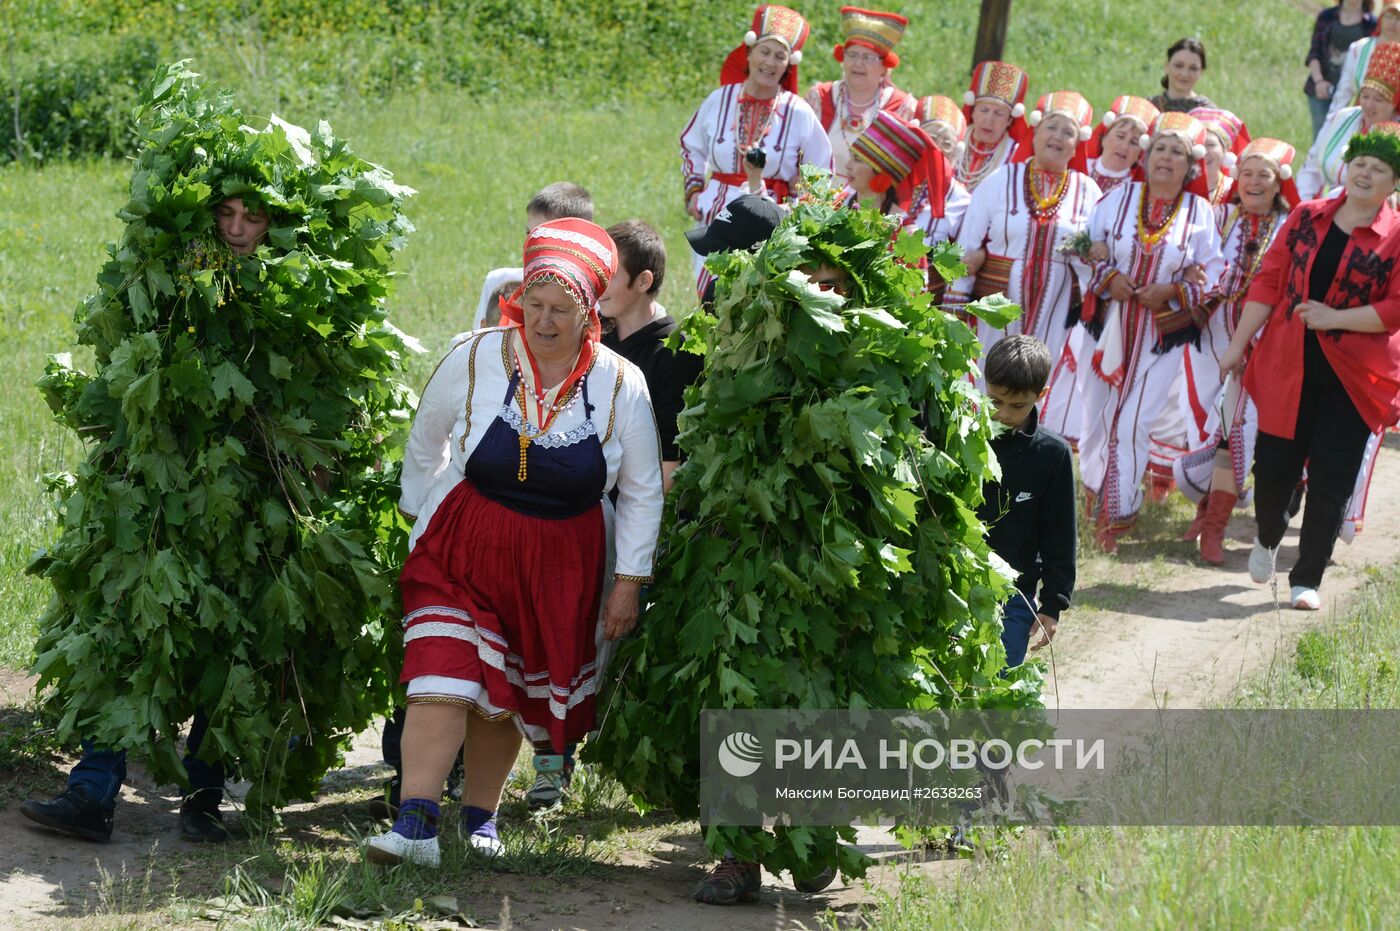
[[1192, 638]]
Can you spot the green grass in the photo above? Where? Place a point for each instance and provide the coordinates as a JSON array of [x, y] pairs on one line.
[[1219, 877]]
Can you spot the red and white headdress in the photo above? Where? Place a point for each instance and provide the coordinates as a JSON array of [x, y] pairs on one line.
[[1137, 110], [1005, 83], [1069, 104], [1280, 156], [939, 109], [907, 157], [1001, 81], [770, 21], [1191, 131], [1228, 128], [1383, 71], [879, 32], [576, 254]]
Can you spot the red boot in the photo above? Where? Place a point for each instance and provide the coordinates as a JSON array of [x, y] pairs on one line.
[[1198, 521], [1219, 505]]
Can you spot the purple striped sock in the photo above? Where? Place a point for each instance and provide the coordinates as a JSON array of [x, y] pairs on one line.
[[418, 819], [479, 821]]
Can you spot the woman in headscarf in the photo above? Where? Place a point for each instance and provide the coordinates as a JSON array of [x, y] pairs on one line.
[[1226, 137], [1358, 57], [891, 162], [1325, 169], [751, 135], [1115, 156], [995, 108], [521, 433], [1147, 309], [1019, 219], [1325, 373], [1223, 427], [1186, 62], [846, 107]]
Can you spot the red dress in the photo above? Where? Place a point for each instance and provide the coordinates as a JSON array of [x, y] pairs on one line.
[[502, 591]]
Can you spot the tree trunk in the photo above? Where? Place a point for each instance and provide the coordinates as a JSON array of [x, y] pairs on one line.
[[991, 31]]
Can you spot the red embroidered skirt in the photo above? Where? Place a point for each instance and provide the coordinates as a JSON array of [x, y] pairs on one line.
[[507, 605]]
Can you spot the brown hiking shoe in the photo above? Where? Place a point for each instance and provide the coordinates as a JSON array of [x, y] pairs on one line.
[[730, 882]]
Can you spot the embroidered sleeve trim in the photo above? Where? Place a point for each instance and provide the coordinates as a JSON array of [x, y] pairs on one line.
[[471, 389], [612, 412], [643, 579]]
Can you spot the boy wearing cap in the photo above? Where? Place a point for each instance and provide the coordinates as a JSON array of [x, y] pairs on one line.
[[746, 222]]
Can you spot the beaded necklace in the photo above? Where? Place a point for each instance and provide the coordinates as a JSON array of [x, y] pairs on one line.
[[1258, 229], [1150, 234], [973, 156], [848, 118], [547, 413], [1044, 208]]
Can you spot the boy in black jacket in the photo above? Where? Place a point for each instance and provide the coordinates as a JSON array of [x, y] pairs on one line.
[[1031, 511]]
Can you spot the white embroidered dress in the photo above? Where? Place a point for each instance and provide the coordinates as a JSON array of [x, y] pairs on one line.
[[712, 139], [1000, 219], [1137, 359]]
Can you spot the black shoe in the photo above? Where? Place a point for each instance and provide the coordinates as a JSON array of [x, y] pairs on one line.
[[72, 813], [817, 883], [201, 821], [385, 807], [730, 882]]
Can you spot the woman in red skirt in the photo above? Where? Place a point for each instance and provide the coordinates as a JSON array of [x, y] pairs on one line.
[[521, 433]]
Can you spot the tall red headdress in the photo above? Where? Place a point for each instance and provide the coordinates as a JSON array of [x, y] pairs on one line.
[[879, 32], [1005, 83], [770, 21], [1070, 104]]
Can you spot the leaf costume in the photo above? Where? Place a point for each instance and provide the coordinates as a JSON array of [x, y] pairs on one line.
[[227, 542], [822, 548]]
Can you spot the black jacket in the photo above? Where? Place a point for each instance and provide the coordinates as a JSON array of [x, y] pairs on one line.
[[1031, 513], [667, 374]]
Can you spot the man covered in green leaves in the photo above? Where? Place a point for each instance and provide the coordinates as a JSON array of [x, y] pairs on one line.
[[825, 551], [225, 544]]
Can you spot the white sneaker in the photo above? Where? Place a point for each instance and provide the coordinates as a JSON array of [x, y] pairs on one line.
[[486, 845], [392, 848], [1261, 562], [1306, 599]]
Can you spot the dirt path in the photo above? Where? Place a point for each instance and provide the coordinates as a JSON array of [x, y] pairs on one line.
[[1190, 639]]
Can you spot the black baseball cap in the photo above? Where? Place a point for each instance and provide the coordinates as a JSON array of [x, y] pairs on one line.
[[743, 224]]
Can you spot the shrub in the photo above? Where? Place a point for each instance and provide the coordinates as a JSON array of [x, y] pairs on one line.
[[75, 99]]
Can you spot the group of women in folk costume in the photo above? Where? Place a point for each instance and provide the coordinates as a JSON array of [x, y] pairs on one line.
[[1378, 97], [1178, 201], [757, 108]]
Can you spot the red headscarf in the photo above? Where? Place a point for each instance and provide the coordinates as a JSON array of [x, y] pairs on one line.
[[580, 257]]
